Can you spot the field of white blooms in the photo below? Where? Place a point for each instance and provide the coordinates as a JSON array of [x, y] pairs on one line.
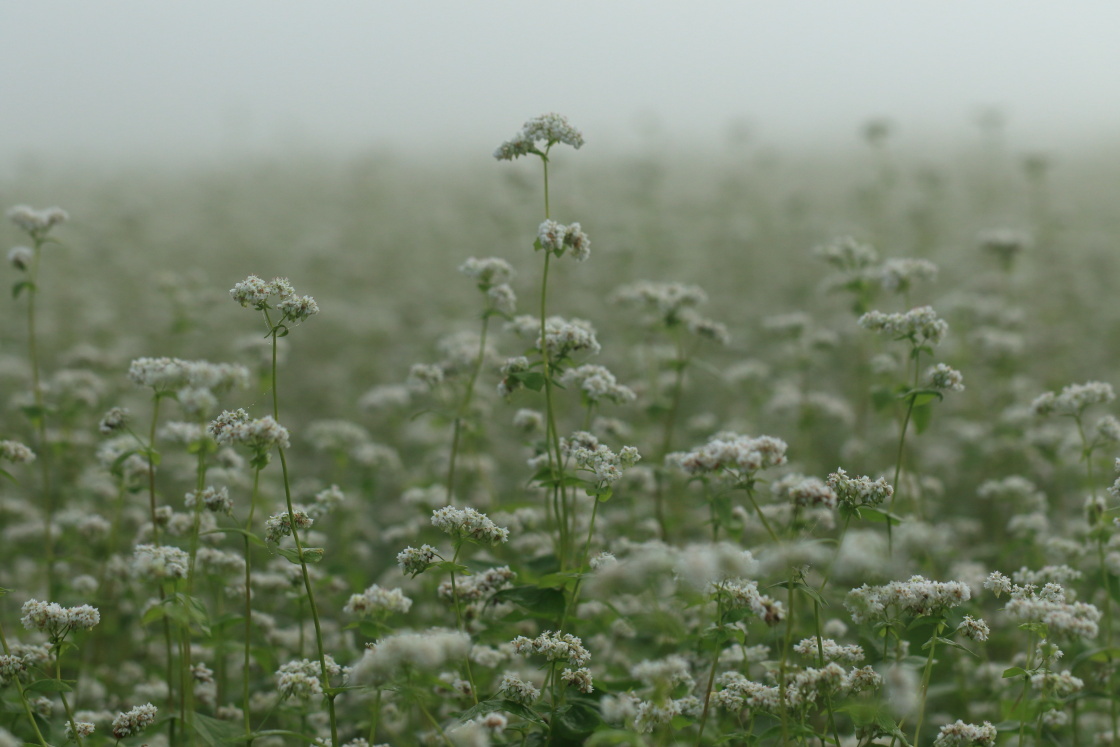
[[556, 448]]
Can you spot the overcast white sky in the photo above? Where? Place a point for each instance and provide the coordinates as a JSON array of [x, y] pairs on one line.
[[116, 78]]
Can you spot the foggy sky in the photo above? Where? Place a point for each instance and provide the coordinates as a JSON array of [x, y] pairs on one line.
[[213, 78]]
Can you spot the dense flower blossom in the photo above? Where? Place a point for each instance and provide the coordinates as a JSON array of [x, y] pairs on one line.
[[56, 620], [1074, 399], [731, 452], [467, 523], [549, 128], [16, 452], [916, 596], [960, 734], [134, 721], [859, 491], [553, 646], [921, 325], [37, 222]]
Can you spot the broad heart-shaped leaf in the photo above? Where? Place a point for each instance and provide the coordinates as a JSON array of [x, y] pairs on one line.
[[1014, 672], [499, 704], [878, 516], [22, 285], [546, 603], [215, 732], [1097, 655], [577, 720], [274, 733], [48, 686], [310, 554], [253, 539], [922, 416], [529, 379]]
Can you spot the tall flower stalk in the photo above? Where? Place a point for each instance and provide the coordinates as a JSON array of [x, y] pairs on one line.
[[554, 239], [292, 309], [37, 224]]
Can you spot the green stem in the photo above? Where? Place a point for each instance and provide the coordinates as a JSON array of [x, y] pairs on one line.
[[249, 607], [758, 511], [464, 408], [65, 704], [711, 675], [459, 619], [22, 694], [925, 681], [898, 459]]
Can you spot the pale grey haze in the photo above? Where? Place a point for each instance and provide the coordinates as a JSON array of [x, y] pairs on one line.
[[213, 78]]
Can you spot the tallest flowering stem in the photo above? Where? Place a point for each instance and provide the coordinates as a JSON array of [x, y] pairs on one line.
[[551, 129], [293, 309]]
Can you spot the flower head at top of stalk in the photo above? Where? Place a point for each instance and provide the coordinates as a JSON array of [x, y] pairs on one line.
[[255, 292], [37, 223], [549, 128]]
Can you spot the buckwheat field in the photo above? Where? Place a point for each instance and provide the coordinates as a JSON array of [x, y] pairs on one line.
[[561, 449]]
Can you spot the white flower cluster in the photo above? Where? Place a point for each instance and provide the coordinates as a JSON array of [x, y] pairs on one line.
[[649, 715], [37, 222], [974, 628], [259, 434], [377, 600], [11, 666], [667, 300], [847, 253], [394, 655], [833, 651], [549, 128], [579, 678], [159, 562], [960, 734], [16, 452], [921, 325], [726, 451], [280, 525], [552, 646], [165, 374], [859, 491], [557, 238], [132, 722], [740, 592], [945, 378], [81, 728], [303, 678], [415, 560], [1029, 603], [478, 586], [1073, 399], [216, 500], [597, 383], [255, 292], [1005, 243], [1062, 684], [517, 690], [585, 450], [805, 492], [916, 596], [804, 687], [467, 523], [663, 674], [56, 620], [897, 275], [488, 271]]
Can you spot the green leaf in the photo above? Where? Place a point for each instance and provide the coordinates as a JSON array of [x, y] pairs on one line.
[[1098, 655], [546, 603], [577, 720], [882, 397], [921, 397], [879, 516], [215, 732], [447, 565], [529, 379], [253, 539], [20, 286], [310, 554], [922, 415], [48, 686], [5, 473], [1014, 672], [274, 733], [500, 704]]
